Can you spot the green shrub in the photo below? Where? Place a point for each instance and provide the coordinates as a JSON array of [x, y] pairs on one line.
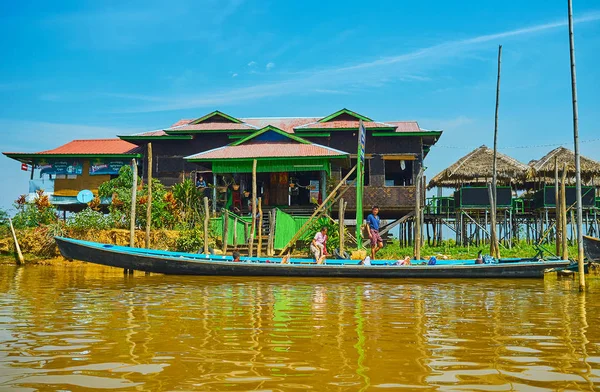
[[190, 240], [89, 219]]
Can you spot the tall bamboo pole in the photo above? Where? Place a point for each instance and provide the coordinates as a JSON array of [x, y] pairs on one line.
[[494, 248], [259, 247], [563, 213], [417, 228], [206, 220], [253, 229], [558, 228], [133, 203], [20, 259], [577, 158], [342, 225], [149, 206]]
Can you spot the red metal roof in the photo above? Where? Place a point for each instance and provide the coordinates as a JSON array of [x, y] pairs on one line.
[[93, 147], [214, 126], [150, 133], [181, 122], [286, 124], [261, 149], [406, 126], [345, 124]]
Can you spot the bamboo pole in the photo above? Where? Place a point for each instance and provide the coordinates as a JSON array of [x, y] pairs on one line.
[[20, 259], [206, 220], [133, 203], [563, 214], [317, 210], [271, 240], [235, 233], [259, 248], [253, 228], [225, 230], [149, 206], [342, 225], [494, 248], [580, 254], [417, 242], [558, 237]]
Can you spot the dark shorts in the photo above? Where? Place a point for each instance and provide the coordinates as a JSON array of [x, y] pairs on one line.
[[375, 237]]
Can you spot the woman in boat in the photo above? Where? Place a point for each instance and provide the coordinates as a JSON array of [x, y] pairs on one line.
[[317, 246]]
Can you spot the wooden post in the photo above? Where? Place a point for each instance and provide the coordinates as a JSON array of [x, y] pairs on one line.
[[225, 229], [558, 229], [20, 259], [417, 239], [342, 225], [149, 206], [580, 254], [563, 214], [133, 204], [235, 233], [206, 220], [253, 228], [214, 194], [271, 240], [259, 248], [494, 247]]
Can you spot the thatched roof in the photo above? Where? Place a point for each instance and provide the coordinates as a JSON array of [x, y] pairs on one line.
[[543, 168], [475, 168]]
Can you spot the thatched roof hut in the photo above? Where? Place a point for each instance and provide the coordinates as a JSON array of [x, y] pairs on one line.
[[543, 169], [475, 168]]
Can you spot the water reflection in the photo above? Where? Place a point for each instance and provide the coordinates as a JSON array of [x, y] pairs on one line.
[[78, 328]]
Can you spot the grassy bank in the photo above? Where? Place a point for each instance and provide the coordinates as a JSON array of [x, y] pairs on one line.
[[393, 250]]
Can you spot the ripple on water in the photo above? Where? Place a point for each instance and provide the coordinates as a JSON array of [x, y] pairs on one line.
[[99, 329]]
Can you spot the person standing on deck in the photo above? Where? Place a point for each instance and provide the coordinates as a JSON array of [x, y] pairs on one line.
[[373, 228]]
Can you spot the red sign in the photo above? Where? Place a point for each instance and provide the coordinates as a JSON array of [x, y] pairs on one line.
[[24, 167]]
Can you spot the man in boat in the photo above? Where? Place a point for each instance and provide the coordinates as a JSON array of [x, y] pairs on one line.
[[317, 246], [373, 228]]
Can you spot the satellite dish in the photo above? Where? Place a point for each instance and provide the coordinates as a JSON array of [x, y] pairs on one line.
[[85, 196]]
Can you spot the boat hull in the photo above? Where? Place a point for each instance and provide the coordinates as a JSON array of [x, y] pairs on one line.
[[179, 264], [591, 247]]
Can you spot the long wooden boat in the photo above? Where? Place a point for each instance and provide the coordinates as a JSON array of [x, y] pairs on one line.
[[591, 247], [177, 263]]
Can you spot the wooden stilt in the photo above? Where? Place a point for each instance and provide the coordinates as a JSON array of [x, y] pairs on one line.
[[225, 238], [206, 220], [254, 195], [133, 203], [342, 224], [259, 249], [558, 237], [149, 205], [563, 214]]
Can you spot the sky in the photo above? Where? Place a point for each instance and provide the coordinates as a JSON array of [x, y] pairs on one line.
[[89, 69]]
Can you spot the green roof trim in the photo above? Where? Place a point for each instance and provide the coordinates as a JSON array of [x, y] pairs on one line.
[[301, 130], [216, 113], [237, 136], [161, 137], [272, 129], [316, 134], [345, 111], [423, 133]]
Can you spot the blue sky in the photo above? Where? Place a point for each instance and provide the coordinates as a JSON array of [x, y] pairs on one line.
[[77, 69]]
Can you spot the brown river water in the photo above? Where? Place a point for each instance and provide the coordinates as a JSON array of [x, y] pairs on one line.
[[91, 328]]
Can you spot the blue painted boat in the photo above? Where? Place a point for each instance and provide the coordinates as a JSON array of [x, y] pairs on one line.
[[179, 263]]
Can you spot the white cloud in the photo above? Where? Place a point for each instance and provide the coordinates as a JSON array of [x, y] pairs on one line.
[[234, 75], [373, 72], [251, 63]]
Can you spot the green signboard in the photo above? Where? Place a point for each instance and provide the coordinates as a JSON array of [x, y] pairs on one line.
[[106, 166]]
